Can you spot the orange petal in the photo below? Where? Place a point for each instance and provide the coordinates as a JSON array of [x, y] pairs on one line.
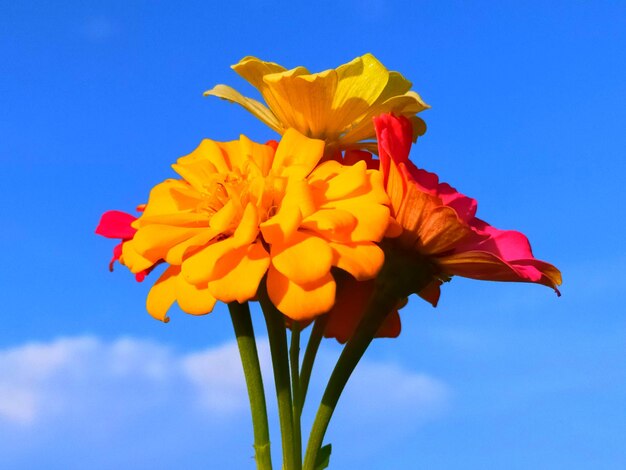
[[363, 261], [372, 219], [163, 294], [154, 241], [332, 224], [193, 300], [176, 254], [242, 271], [351, 179], [297, 154], [222, 220], [201, 266], [170, 197], [305, 259], [248, 227], [282, 226], [300, 302], [133, 260]]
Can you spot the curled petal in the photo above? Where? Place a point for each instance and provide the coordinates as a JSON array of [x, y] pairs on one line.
[[163, 294]]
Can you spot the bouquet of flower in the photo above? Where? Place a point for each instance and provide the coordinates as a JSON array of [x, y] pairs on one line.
[[331, 227]]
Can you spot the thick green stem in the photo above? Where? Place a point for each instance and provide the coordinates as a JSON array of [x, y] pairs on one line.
[[309, 357], [242, 323], [277, 334], [294, 359], [382, 302]]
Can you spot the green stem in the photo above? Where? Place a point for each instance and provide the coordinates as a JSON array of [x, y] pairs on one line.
[[309, 357], [294, 359], [277, 335], [381, 303], [403, 272], [242, 324]]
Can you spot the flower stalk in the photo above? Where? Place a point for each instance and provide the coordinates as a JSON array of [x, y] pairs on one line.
[[309, 357], [276, 332], [294, 361], [242, 324]]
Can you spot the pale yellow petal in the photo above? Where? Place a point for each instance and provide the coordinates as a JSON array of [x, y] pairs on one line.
[[406, 105], [253, 70], [306, 101], [252, 106], [361, 82]]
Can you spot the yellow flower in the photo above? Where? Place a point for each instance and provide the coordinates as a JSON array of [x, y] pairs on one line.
[[242, 210], [335, 105]]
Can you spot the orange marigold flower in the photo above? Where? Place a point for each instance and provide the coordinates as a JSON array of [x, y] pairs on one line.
[[438, 222], [336, 105], [244, 210]]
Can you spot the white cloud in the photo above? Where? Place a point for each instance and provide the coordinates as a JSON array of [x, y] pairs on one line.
[[131, 393]]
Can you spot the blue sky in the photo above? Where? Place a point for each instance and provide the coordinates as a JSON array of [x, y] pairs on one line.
[[99, 98]]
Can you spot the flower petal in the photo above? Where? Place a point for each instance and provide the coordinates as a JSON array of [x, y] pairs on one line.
[[362, 260], [193, 299], [163, 294], [116, 224], [253, 106], [200, 268], [300, 302], [305, 259], [242, 271], [297, 154]]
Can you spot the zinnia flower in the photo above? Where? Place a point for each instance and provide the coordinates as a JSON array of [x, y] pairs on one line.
[[243, 210], [336, 105], [438, 222]]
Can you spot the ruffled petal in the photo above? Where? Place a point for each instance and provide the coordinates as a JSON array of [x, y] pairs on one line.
[[297, 154], [242, 271], [300, 302], [201, 267], [304, 260], [363, 260]]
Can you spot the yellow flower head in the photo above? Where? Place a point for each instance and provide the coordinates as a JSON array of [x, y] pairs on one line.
[[335, 105], [242, 210]]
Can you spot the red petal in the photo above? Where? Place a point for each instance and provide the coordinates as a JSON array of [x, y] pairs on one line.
[[116, 224]]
